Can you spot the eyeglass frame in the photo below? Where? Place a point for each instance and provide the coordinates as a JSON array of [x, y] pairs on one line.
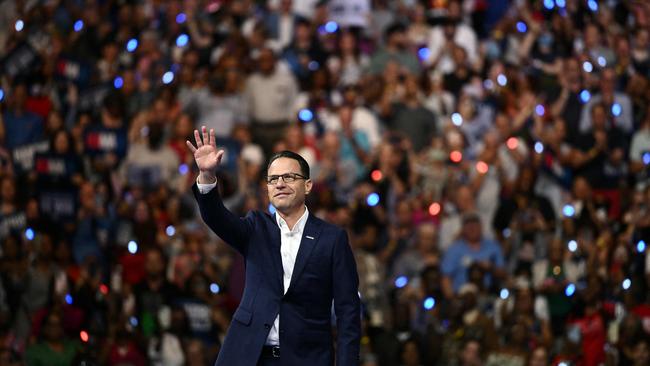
[[292, 176]]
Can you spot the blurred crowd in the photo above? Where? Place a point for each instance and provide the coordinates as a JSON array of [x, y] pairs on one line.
[[490, 160]]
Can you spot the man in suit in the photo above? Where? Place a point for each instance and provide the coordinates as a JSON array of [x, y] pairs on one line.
[[297, 266]]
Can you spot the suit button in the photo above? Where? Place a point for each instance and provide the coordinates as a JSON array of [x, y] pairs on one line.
[[267, 325]]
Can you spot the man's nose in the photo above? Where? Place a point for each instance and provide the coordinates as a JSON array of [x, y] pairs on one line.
[[280, 182]]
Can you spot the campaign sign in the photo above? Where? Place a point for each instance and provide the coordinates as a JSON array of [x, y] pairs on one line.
[[91, 99], [23, 156], [57, 205], [98, 141], [13, 222], [72, 70], [20, 60]]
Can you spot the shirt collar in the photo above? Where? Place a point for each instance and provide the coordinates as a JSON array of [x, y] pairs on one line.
[[299, 226]]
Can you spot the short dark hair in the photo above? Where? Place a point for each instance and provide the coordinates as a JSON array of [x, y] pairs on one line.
[[304, 166]]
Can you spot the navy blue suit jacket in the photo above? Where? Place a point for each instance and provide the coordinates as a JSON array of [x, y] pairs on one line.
[[325, 272]]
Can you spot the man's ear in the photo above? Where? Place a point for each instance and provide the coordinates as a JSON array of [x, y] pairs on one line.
[[308, 186]]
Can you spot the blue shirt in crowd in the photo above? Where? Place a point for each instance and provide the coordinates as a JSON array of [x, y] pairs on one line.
[[460, 256]]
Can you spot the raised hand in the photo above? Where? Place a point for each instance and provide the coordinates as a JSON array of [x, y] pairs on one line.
[[206, 155]]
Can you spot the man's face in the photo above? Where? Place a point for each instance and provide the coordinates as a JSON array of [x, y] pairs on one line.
[[154, 264], [266, 62], [472, 230], [284, 196]]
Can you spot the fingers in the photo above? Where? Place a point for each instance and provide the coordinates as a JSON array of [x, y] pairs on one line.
[[219, 156], [197, 137], [205, 135], [189, 144], [213, 140]]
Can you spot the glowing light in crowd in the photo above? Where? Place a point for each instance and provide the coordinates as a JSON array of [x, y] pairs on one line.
[[19, 25], [331, 27], [182, 40], [539, 109], [521, 27], [183, 169], [170, 230], [271, 209], [585, 95], [646, 155], [305, 115], [549, 4], [181, 18], [601, 61], [512, 143], [640, 246], [214, 288], [84, 336], [132, 247], [457, 119], [376, 175], [168, 77], [29, 233], [568, 210], [482, 167], [118, 82], [488, 84], [78, 25], [570, 290], [539, 147], [132, 44], [2, 94], [68, 299], [429, 303], [313, 65], [627, 283], [372, 199], [434, 209], [502, 80], [424, 53], [401, 281], [133, 321], [103, 289], [593, 5], [456, 156], [616, 109], [560, 3], [504, 293], [572, 245], [587, 66], [506, 233]]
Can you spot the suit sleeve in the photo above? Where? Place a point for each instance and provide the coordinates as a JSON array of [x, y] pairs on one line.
[[232, 229], [347, 304]]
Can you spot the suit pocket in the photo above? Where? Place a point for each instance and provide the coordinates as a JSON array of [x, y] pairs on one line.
[[243, 316]]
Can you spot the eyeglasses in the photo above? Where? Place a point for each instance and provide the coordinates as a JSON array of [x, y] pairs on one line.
[[287, 178]]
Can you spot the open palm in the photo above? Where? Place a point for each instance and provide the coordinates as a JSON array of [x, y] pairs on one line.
[[205, 152]]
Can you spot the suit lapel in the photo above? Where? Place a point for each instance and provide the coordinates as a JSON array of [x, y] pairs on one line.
[[307, 244], [276, 256]]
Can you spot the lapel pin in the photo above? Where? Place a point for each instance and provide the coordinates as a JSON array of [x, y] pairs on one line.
[[309, 237]]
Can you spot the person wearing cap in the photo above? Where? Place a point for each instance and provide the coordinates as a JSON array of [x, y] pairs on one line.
[[298, 268], [471, 247]]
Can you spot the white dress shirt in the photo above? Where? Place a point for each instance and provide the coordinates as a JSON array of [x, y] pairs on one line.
[[289, 244]]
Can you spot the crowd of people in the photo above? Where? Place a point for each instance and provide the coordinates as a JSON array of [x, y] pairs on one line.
[[490, 161]]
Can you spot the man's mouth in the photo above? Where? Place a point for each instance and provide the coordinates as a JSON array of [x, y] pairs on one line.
[[283, 194]]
